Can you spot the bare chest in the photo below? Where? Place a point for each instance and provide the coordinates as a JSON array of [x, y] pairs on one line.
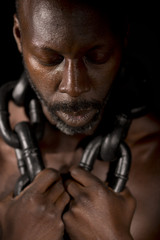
[[61, 161], [144, 182]]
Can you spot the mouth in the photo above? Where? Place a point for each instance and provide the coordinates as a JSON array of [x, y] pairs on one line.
[[77, 119]]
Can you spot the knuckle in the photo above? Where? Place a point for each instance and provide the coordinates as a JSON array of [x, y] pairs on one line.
[[71, 186], [51, 173], [52, 213], [66, 198], [60, 225], [82, 199], [59, 185], [28, 197], [98, 190], [34, 201], [48, 172], [67, 216]]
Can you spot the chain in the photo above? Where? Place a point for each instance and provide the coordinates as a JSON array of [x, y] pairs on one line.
[[113, 149], [24, 138]]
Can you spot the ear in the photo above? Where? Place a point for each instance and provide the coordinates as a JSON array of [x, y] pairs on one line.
[[17, 33]]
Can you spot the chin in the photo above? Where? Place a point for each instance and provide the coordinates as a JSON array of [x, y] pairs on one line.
[[87, 129]]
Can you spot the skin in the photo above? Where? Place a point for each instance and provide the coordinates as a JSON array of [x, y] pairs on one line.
[[71, 57], [90, 202]]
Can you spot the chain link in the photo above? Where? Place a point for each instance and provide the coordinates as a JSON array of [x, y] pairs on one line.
[[25, 135], [24, 138], [111, 149]]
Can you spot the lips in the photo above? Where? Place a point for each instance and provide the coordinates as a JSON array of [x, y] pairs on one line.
[[77, 119]]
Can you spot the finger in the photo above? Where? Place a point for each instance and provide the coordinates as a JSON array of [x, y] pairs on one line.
[[126, 192], [55, 191], [74, 188], [62, 201], [127, 196], [83, 177], [43, 181]]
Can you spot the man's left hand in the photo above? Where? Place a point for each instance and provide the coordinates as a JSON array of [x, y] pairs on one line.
[[95, 211]]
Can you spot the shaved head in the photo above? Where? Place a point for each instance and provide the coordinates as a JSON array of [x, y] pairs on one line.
[[116, 12], [72, 52]]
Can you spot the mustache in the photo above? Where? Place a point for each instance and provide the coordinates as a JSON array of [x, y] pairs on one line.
[[75, 106]]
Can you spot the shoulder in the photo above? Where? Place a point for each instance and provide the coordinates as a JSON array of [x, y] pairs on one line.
[[144, 129], [144, 179], [144, 141]]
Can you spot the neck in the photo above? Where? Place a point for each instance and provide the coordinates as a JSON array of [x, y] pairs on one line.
[[57, 141]]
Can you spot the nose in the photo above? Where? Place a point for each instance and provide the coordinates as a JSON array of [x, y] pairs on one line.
[[75, 79]]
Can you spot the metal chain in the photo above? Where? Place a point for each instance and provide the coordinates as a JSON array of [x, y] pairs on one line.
[[29, 157], [113, 149], [23, 138], [26, 134]]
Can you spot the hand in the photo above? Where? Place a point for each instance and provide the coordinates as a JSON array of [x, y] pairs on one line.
[[36, 213], [95, 211]]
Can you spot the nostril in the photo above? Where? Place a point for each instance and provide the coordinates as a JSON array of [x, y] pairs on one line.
[[73, 89]]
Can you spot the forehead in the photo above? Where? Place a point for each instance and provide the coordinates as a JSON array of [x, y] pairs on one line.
[[62, 20]]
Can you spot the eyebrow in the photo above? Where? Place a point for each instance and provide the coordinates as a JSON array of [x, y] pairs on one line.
[[44, 48]]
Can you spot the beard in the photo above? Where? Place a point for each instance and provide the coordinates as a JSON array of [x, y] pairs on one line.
[[68, 108]]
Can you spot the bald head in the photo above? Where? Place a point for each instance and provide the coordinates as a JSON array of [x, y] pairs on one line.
[[115, 12], [72, 55]]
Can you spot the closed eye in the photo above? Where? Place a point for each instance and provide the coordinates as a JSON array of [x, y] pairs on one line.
[[53, 61], [97, 56], [47, 56]]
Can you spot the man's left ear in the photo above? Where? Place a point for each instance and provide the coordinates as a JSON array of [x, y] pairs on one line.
[[17, 33]]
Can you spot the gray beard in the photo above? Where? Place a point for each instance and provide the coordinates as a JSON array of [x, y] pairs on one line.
[[69, 107]]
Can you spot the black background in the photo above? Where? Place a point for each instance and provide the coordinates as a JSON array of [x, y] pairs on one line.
[[144, 40]]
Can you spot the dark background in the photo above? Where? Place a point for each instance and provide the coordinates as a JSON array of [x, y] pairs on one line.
[[11, 66], [144, 41]]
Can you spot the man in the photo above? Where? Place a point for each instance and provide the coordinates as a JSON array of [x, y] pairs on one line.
[[72, 53]]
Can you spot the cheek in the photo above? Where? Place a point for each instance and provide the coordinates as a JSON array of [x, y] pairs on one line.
[[44, 79], [103, 76]]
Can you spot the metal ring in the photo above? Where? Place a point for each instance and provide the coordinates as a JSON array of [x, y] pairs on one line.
[[119, 169], [90, 154], [7, 92], [112, 141], [19, 91], [7, 133]]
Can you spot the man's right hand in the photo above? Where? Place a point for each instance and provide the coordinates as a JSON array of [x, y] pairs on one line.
[[36, 213]]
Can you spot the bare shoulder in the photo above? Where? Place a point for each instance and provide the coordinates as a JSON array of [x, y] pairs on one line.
[[144, 180], [8, 169]]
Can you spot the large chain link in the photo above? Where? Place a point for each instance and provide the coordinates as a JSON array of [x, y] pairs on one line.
[[25, 135], [24, 138], [113, 149]]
